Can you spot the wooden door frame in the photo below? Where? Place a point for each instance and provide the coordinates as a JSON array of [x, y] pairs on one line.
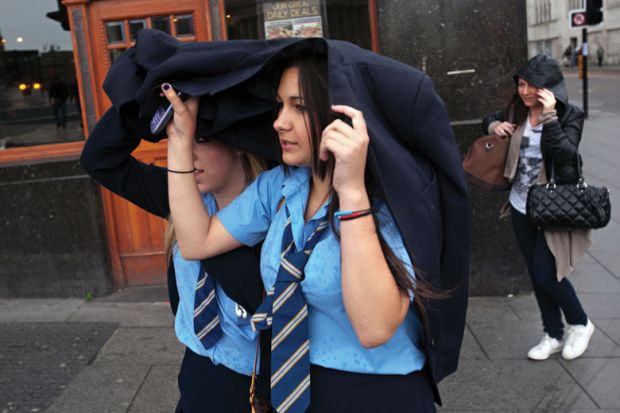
[[94, 14]]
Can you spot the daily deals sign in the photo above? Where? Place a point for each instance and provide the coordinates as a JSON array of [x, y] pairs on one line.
[[293, 19]]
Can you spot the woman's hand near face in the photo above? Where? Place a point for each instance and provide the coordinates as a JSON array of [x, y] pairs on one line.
[[198, 236], [547, 100], [349, 145], [182, 129], [366, 276], [504, 129]]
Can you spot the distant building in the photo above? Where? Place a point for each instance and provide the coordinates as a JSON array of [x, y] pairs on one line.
[[548, 29]]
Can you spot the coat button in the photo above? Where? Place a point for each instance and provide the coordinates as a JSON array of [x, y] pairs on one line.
[[432, 342]]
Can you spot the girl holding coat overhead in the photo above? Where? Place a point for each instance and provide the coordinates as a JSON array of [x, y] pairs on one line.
[[340, 283], [365, 227], [217, 365]]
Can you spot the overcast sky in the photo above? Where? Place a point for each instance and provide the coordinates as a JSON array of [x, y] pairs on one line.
[[26, 18]]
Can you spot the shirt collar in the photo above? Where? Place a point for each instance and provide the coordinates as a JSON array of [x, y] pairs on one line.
[[295, 190], [295, 179]]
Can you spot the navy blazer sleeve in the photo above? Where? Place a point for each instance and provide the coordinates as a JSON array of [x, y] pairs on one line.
[[433, 137], [107, 158]]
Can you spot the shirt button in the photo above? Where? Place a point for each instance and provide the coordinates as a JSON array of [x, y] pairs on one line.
[[241, 312]]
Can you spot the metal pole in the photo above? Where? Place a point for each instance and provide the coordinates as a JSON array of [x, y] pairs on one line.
[[584, 62]]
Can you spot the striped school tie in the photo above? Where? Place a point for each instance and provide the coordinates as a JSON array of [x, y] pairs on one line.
[[285, 310], [206, 318]]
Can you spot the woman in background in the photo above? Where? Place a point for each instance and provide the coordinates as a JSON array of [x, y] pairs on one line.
[[545, 134]]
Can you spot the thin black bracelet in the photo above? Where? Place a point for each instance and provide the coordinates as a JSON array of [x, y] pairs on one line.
[[181, 172]]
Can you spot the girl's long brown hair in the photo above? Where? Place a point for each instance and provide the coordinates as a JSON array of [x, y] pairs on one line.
[[253, 165], [314, 88]]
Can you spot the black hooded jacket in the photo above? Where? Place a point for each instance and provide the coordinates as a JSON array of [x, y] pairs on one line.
[[559, 139], [413, 156]]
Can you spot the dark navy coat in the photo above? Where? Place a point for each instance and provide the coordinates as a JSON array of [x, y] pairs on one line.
[[413, 155]]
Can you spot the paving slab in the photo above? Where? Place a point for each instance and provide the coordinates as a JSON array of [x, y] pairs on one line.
[[138, 294], [607, 239], [600, 378], [38, 310], [37, 361], [512, 340], [594, 278], [524, 306], [609, 327], [470, 348], [126, 314], [481, 309], [600, 305], [143, 345], [159, 392], [609, 260], [108, 387], [586, 259], [443, 409], [512, 385]]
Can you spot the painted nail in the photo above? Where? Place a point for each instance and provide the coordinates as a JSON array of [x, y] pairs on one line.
[[165, 86]]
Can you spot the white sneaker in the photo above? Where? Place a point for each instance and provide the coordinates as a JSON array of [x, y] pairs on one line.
[[545, 348], [577, 339]]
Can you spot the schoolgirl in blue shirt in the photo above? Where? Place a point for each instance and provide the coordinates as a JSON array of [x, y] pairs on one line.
[[356, 282], [214, 376]]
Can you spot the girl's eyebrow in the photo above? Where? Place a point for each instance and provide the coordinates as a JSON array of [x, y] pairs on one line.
[[291, 98]]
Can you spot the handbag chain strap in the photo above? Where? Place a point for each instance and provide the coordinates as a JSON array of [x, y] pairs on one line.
[[253, 381]]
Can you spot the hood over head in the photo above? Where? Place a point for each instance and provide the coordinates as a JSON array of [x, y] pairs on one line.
[[544, 72]]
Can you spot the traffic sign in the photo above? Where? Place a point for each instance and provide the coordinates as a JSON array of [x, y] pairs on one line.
[[577, 18]]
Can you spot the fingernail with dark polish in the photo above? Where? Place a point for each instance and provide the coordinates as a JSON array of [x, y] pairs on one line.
[[165, 86]]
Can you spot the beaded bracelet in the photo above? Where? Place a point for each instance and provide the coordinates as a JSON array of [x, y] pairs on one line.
[[349, 215], [181, 172]]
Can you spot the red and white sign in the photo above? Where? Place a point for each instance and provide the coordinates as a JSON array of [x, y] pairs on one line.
[[577, 18]]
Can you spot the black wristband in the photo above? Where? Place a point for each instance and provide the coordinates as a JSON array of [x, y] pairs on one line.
[[181, 172]]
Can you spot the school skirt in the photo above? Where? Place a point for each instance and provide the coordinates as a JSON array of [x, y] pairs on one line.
[[334, 391], [209, 388]]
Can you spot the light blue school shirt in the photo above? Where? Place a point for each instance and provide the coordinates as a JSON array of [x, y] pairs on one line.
[[255, 216], [236, 348]]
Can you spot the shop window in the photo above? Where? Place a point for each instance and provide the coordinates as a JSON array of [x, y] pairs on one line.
[[184, 25], [135, 26], [161, 23], [115, 32], [334, 19], [117, 42], [39, 99]]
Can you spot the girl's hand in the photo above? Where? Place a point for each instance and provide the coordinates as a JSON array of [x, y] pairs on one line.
[[182, 129], [349, 145], [504, 129], [547, 99]]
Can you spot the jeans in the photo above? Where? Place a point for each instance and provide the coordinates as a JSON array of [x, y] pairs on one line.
[[60, 114], [551, 295]]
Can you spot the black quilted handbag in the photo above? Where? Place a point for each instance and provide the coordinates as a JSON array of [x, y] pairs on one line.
[[569, 206]]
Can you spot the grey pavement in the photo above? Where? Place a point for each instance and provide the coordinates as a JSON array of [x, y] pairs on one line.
[[120, 354]]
